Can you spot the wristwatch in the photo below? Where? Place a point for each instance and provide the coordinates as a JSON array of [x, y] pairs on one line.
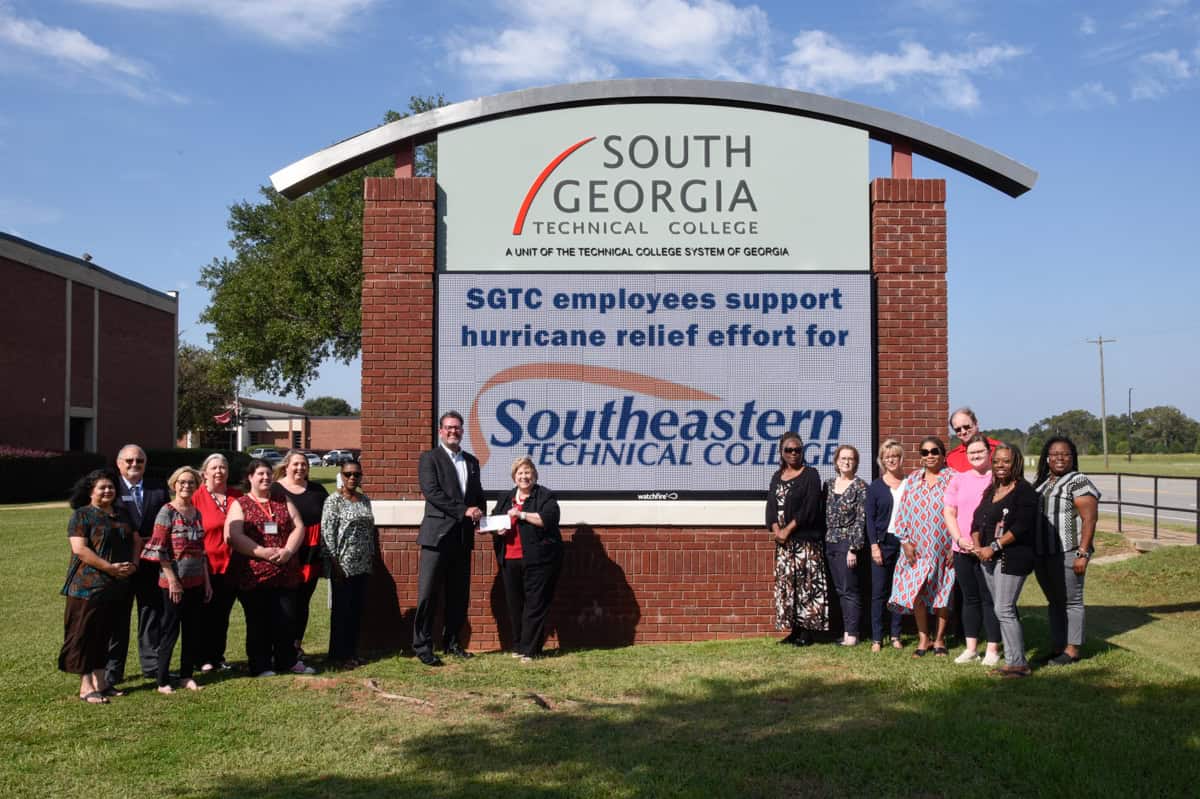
[[1079, 553], [522, 515], [996, 546]]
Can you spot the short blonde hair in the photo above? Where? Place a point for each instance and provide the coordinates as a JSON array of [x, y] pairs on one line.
[[887, 446], [524, 460], [180, 472], [281, 468]]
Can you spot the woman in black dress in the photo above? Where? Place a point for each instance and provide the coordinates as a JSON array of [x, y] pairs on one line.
[[795, 517]]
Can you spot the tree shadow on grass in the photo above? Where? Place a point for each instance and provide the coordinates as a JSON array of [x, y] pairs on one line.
[[799, 735]]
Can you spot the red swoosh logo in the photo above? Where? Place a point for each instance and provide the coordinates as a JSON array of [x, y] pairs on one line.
[[597, 375], [519, 224]]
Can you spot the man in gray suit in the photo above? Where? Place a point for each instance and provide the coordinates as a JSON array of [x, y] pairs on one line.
[[454, 504]]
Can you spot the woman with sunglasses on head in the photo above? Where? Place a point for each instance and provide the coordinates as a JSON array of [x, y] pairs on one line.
[[845, 536], [962, 498], [883, 501], [1002, 532], [348, 533], [177, 545], [1069, 503], [924, 579], [796, 520], [292, 484]]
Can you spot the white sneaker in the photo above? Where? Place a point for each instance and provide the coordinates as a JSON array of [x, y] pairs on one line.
[[991, 658], [967, 656], [267, 673], [300, 668]]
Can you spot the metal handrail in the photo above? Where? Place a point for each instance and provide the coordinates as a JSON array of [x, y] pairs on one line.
[[1122, 503]]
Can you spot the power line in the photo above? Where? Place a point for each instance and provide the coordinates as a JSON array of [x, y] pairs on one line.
[[1100, 341]]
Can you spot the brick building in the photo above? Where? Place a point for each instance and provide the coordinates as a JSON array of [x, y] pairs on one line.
[[88, 356], [635, 570]]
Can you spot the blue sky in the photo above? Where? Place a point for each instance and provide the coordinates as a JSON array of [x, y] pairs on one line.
[[127, 128]]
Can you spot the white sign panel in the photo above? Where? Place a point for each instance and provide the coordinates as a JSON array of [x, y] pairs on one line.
[[653, 187], [655, 384]]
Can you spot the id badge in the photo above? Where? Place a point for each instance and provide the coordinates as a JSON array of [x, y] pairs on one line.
[[271, 528]]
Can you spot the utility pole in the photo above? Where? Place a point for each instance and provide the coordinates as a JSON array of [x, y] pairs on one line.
[[1100, 341], [1129, 409]]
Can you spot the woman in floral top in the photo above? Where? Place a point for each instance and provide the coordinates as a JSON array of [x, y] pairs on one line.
[[177, 545], [103, 548], [845, 535], [348, 531]]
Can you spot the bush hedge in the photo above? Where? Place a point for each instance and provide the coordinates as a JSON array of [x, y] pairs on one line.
[[49, 478]]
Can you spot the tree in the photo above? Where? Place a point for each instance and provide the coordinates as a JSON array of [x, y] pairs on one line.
[[329, 406], [206, 389], [1164, 428], [290, 297], [1080, 426]]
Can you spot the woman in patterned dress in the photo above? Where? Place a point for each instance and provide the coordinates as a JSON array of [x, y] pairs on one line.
[[348, 532], [268, 531], [925, 572], [1069, 502], [845, 535], [797, 522], [102, 561]]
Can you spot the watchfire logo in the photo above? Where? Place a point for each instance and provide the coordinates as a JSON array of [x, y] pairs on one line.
[[707, 196]]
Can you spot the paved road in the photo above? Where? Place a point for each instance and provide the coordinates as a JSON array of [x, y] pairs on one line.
[[1174, 493]]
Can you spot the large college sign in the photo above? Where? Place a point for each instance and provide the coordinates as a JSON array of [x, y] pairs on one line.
[[653, 187]]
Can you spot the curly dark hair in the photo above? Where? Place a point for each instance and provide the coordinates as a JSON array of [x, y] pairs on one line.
[[1043, 467], [81, 492], [1018, 467]]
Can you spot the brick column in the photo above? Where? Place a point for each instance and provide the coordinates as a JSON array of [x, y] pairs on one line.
[[908, 260], [397, 332]]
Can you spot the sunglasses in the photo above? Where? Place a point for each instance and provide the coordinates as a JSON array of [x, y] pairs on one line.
[[963, 428], [927, 452], [355, 475], [131, 461], [792, 450]]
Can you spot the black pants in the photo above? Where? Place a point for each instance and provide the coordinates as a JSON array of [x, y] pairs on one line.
[[215, 618], [881, 591], [303, 598], [445, 569], [149, 618], [845, 582], [528, 592], [345, 618], [189, 615], [270, 628], [977, 599]]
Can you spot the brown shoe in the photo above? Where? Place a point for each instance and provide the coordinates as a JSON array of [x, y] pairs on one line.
[[1011, 672]]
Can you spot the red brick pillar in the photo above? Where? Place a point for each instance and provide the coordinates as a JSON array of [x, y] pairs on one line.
[[908, 259], [397, 332], [399, 218]]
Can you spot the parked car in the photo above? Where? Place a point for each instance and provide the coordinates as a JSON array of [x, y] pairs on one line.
[[313, 458], [268, 454], [335, 457]]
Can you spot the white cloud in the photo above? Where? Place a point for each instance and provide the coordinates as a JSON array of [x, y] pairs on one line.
[[283, 21], [958, 11], [1159, 73], [1087, 26], [580, 39], [1092, 95], [819, 62], [1156, 12], [76, 55]]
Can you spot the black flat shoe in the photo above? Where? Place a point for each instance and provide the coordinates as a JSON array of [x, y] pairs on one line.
[[429, 659], [458, 652]]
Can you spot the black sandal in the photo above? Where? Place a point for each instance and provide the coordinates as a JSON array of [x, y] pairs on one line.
[[94, 698]]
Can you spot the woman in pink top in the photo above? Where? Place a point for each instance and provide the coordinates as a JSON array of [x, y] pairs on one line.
[[962, 498]]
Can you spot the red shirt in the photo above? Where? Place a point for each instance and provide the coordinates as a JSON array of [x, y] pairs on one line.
[[213, 516], [956, 458], [512, 541]]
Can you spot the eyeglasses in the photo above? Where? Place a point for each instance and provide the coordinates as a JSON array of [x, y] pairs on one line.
[[131, 461], [452, 429], [791, 450], [925, 453], [962, 428], [192, 483], [352, 475]]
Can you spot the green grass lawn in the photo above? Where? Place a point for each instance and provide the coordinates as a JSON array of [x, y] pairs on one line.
[[723, 719], [1164, 465]]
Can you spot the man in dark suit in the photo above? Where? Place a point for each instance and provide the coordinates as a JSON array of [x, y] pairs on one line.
[[139, 501], [454, 504]]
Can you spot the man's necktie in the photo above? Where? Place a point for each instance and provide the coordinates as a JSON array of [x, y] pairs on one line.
[[137, 497]]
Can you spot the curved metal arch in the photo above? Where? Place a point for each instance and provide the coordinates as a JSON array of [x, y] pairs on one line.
[[996, 170]]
